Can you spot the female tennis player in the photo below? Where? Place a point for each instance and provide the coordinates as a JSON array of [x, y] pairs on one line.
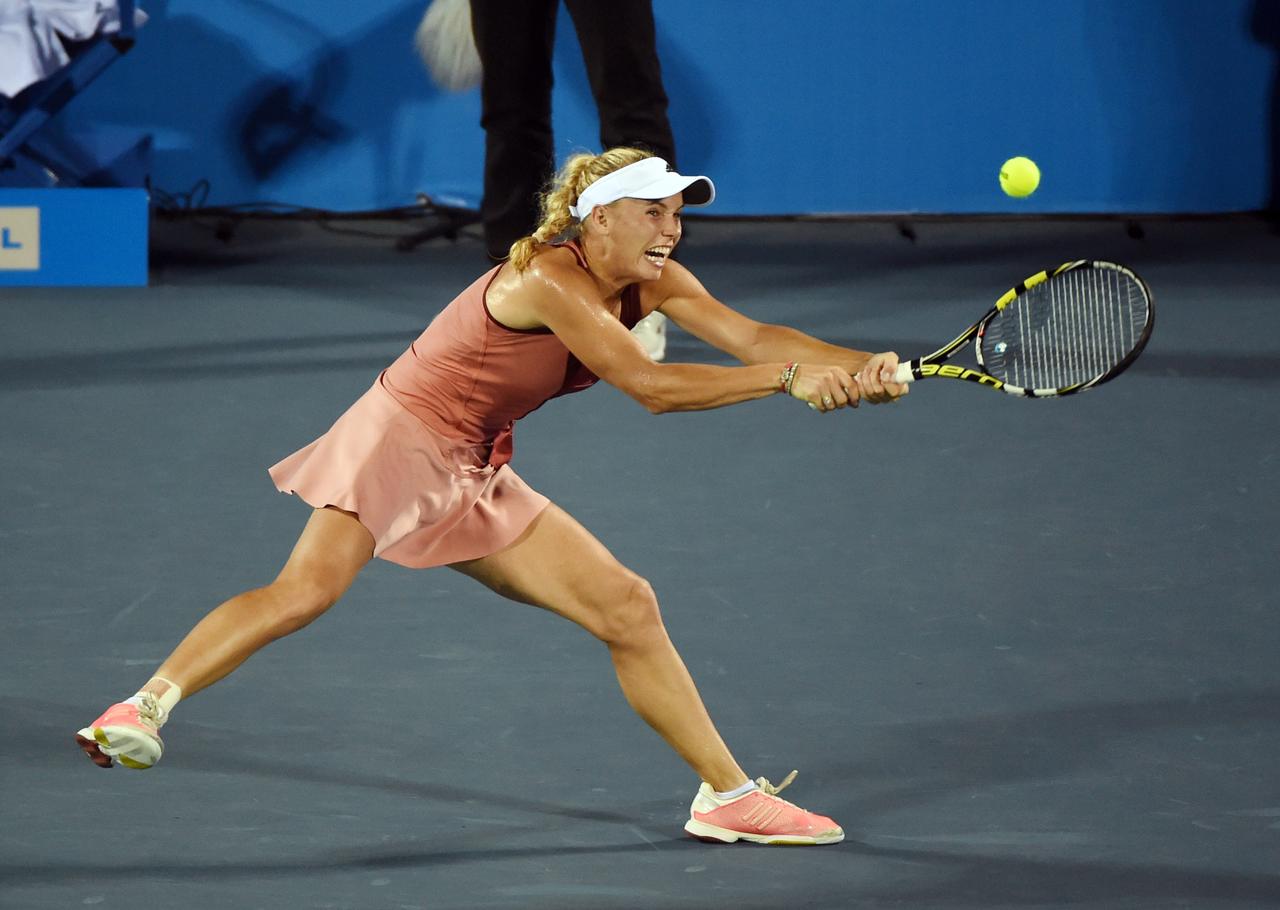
[[416, 470]]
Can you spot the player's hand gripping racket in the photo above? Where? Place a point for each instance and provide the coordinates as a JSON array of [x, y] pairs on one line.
[[1061, 331]]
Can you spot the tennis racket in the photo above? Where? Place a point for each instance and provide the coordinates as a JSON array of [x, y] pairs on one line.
[[1061, 331]]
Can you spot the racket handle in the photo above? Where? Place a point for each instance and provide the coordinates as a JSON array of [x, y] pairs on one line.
[[903, 373]]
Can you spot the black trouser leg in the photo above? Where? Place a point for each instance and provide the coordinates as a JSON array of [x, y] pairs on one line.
[[515, 40], [619, 49]]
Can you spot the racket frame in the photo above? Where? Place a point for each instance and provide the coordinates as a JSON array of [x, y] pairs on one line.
[[931, 365]]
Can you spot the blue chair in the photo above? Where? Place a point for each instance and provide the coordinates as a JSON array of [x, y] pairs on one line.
[[26, 114]]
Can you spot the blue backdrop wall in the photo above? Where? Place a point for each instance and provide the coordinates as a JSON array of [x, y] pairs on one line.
[[827, 106]]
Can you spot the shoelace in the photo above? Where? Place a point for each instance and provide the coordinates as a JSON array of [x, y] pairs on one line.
[[151, 710], [770, 789]]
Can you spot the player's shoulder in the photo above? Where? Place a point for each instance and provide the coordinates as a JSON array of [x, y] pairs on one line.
[[556, 269], [551, 281], [676, 281], [676, 274]]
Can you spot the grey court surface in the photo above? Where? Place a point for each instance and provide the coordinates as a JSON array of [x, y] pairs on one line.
[[1027, 653]]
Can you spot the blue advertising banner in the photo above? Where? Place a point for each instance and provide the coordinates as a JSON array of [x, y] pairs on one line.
[[84, 237], [822, 107]]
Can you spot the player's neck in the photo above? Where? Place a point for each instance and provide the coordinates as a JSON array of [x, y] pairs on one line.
[[608, 275]]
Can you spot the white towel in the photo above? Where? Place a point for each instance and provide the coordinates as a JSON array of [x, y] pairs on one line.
[[31, 32], [447, 46]]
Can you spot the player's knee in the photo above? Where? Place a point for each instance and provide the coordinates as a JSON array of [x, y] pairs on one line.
[[295, 601], [631, 615]]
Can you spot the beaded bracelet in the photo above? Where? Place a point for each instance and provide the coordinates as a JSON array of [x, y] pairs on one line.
[[787, 376]]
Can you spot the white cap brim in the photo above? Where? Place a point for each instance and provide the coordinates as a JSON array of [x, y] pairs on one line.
[[649, 178]]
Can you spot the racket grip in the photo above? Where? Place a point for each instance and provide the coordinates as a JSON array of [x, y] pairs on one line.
[[903, 373]]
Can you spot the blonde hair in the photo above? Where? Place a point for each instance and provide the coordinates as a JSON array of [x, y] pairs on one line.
[[578, 173]]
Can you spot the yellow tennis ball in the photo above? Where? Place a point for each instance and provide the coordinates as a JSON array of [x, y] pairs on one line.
[[1019, 177]]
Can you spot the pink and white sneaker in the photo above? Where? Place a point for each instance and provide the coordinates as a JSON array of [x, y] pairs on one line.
[[759, 816], [130, 733]]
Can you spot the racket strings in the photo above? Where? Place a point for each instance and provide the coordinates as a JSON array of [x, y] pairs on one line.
[[1070, 329]]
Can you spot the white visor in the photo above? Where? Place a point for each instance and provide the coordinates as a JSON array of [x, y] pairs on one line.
[[649, 178]]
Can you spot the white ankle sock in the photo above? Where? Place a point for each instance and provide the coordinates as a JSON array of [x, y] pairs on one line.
[[167, 699], [738, 791]]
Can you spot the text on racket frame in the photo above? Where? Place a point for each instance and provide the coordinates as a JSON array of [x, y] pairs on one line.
[[953, 371]]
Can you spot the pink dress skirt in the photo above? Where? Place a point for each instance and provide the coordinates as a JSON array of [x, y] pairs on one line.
[[426, 499]]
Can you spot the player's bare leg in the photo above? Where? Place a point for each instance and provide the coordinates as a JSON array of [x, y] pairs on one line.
[[558, 565], [331, 551]]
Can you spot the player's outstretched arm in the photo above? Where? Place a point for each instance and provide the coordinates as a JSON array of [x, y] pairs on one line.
[[683, 298]]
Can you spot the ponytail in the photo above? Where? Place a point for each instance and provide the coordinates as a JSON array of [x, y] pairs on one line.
[[578, 173]]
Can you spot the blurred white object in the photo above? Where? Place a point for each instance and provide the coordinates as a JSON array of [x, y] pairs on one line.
[[446, 45], [30, 33], [652, 332]]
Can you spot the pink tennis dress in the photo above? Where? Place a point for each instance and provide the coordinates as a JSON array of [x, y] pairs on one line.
[[421, 458]]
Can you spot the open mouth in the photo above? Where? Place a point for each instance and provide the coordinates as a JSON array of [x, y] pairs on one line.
[[658, 254]]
